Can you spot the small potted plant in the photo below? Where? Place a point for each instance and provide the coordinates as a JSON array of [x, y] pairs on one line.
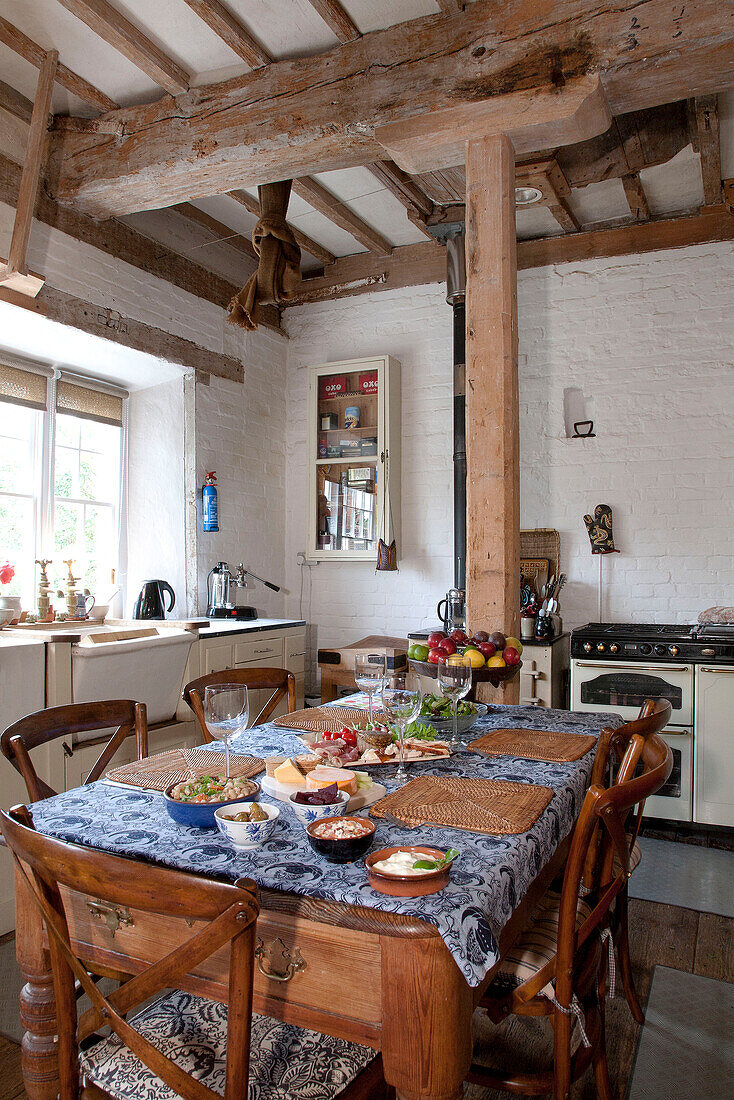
[[9, 605]]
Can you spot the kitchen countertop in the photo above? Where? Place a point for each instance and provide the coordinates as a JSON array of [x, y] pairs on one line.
[[222, 627], [544, 641], [203, 627], [12, 641]]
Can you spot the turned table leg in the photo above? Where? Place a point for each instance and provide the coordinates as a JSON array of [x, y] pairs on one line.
[[37, 1002], [427, 1011]]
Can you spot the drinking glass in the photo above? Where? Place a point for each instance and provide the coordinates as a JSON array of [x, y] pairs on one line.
[[369, 672], [402, 696], [454, 681], [227, 710]]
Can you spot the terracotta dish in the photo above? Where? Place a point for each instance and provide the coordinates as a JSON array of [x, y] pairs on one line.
[[407, 886]]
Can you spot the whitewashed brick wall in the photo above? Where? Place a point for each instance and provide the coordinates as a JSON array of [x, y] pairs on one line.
[[650, 341]]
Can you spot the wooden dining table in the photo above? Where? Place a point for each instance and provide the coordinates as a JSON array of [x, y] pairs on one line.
[[332, 955]]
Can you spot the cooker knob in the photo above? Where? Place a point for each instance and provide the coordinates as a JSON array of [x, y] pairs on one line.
[[600, 646], [587, 647], [614, 648], [660, 650], [645, 648], [673, 651]]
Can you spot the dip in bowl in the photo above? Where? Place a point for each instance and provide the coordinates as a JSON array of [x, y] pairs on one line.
[[195, 801], [341, 839], [245, 834], [406, 882]]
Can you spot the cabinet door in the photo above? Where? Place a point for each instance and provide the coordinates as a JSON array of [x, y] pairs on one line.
[[295, 654], [714, 760], [218, 657]]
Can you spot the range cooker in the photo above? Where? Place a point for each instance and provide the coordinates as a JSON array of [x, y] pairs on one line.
[[617, 666]]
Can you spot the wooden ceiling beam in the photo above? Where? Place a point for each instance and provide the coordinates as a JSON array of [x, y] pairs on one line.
[[15, 103], [313, 247], [337, 19], [225, 234], [405, 190], [112, 26], [636, 197], [451, 7], [231, 31], [314, 114], [21, 44], [709, 147], [337, 212]]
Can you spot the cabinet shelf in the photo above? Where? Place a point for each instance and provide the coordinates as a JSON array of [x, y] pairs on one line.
[[361, 428], [358, 459]]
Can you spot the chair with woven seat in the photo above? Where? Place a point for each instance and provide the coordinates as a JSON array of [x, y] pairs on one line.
[[624, 746], [279, 681], [181, 1044], [35, 730], [558, 967]]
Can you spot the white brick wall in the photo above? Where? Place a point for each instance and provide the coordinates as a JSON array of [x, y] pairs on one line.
[[649, 340]]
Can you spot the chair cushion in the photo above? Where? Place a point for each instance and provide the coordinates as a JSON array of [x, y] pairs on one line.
[[285, 1061], [536, 946], [635, 857]]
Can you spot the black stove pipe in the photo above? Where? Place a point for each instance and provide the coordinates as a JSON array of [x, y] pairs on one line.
[[455, 291]]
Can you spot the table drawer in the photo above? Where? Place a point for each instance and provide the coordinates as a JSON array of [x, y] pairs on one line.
[[259, 649]]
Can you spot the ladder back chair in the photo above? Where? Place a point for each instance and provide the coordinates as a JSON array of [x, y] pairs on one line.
[[19, 739], [195, 1047], [279, 681], [558, 967]]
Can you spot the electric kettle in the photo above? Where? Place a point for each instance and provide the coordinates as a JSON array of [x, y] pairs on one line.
[[149, 604]]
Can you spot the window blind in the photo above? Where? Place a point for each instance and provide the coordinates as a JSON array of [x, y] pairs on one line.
[[23, 387], [90, 404]]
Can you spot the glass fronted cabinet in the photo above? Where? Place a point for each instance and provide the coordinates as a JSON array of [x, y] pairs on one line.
[[353, 457]]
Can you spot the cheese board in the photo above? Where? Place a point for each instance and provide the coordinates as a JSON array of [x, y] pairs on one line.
[[283, 791]]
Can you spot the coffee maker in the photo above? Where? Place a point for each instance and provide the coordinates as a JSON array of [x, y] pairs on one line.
[[218, 583], [453, 615]]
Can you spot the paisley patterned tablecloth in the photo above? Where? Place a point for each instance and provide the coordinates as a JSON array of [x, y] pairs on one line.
[[487, 882]]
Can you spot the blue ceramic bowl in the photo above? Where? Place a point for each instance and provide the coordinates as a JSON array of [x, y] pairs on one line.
[[308, 814], [245, 834], [200, 815]]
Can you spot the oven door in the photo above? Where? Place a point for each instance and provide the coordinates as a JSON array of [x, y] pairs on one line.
[[624, 686], [674, 800]]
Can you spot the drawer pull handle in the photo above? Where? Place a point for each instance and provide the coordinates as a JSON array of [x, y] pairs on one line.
[[276, 962], [114, 916]]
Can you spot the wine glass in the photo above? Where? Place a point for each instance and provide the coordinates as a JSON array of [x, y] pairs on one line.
[[227, 710], [402, 695], [454, 681], [369, 672]]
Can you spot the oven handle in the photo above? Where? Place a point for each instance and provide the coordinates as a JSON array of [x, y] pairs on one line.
[[629, 668], [719, 671]]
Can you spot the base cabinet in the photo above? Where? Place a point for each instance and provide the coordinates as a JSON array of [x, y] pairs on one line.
[[266, 649], [713, 800]]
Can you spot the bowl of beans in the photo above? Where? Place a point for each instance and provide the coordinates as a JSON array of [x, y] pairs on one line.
[[341, 839], [195, 801], [246, 824]]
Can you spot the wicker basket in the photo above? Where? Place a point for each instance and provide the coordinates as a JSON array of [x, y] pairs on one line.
[[542, 543]]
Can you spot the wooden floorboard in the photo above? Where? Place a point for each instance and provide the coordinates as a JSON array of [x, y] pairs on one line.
[[715, 947]]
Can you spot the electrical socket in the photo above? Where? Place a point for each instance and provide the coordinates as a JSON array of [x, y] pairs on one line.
[[302, 559]]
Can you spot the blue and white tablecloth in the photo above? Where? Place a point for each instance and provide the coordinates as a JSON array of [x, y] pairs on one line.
[[487, 882]]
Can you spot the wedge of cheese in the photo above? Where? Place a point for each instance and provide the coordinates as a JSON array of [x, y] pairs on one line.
[[288, 774], [324, 776]]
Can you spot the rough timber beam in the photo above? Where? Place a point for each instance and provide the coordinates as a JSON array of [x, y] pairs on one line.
[[120, 33], [224, 233], [337, 20], [514, 64], [707, 124], [223, 23], [327, 204], [636, 197], [313, 247], [15, 103]]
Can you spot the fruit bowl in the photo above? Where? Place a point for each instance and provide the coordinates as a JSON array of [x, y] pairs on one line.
[[494, 676]]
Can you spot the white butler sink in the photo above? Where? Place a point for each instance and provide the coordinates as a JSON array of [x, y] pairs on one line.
[[149, 669]]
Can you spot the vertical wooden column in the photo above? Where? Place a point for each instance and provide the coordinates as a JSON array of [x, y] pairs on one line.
[[492, 420]]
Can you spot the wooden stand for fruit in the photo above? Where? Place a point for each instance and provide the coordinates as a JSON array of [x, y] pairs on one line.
[[493, 676]]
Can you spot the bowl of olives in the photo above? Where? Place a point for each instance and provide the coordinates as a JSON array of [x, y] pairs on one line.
[[246, 824]]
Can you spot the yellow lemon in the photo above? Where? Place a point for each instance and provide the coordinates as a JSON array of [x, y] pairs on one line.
[[496, 662], [455, 659], [474, 658], [515, 643]]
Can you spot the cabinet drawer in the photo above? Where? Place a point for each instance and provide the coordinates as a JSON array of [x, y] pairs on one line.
[[217, 658], [260, 650], [295, 654]]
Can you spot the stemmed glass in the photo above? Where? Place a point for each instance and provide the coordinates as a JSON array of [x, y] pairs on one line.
[[227, 711], [454, 681], [369, 672], [402, 695]]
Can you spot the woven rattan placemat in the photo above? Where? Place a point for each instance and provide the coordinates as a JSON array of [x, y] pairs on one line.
[[494, 806], [157, 773], [323, 719], [547, 745]]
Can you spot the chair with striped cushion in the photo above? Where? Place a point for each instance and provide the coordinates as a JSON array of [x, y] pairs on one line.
[[178, 1044], [558, 967]]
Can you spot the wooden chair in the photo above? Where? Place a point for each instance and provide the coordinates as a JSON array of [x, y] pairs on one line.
[[199, 1048], [558, 966], [18, 740], [278, 680], [617, 758]]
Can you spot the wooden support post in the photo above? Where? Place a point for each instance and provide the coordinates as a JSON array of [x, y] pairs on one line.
[[14, 274], [492, 421]]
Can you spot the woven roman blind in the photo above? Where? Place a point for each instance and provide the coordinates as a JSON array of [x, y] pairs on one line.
[[22, 387], [90, 404]]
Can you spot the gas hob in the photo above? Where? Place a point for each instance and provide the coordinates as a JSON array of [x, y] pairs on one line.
[[673, 643]]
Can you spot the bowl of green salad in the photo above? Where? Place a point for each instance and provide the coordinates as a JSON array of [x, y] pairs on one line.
[[436, 713]]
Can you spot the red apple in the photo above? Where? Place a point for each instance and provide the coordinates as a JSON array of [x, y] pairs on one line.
[[487, 649], [447, 646], [499, 639], [433, 639], [480, 636], [511, 656], [435, 655], [459, 636]]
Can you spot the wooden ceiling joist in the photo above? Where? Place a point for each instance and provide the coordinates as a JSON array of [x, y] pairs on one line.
[[636, 197], [337, 19], [21, 44], [224, 233], [119, 32], [451, 7], [332, 110], [231, 31], [15, 103], [405, 190], [707, 127], [313, 247], [328, 205]]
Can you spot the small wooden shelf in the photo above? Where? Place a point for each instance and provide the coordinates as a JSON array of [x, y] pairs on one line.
[[366, 428], [352, 459]]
